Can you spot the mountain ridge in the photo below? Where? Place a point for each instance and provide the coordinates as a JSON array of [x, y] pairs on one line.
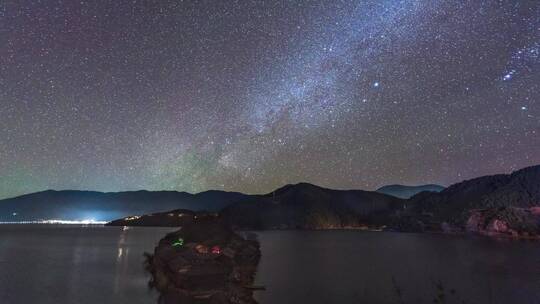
[[501, 204], [299, 206], [82, 204], [408, 191]]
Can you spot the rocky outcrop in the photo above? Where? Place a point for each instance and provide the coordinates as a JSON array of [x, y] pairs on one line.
[[204, 262], [505, 221]]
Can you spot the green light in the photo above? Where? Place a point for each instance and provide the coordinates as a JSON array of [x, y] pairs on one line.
[[178, 243]]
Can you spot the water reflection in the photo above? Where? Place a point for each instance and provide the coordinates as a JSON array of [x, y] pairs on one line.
[[319, 267], [122, 262], [51, 265], [46, 264]]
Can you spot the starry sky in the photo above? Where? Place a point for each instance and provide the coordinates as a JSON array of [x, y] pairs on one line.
[[251, 95]]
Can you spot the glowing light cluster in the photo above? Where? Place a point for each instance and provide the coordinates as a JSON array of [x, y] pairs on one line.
[[131, 218], [63, 222]]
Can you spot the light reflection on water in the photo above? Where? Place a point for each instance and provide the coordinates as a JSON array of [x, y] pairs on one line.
[[71, 264]]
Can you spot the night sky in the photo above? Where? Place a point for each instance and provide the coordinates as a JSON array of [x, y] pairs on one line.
[[250, 95]]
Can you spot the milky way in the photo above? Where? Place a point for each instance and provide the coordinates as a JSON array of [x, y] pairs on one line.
[[251, 95]]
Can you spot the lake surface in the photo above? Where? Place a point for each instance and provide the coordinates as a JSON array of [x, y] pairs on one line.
[[357, 267], [71, 264]]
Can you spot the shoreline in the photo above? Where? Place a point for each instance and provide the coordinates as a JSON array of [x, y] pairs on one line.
[[488, 235]]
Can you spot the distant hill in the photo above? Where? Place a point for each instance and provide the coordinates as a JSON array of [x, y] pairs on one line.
[[79, 205], [313, 205], [306, 206], [406, 192], [300, 206], [503, 204], [506, 204], [518, 189]]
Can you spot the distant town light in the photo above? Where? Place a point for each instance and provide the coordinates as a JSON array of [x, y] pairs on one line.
[[62, 222]]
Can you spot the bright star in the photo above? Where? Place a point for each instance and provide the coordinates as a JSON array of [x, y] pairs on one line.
[[509, 75]]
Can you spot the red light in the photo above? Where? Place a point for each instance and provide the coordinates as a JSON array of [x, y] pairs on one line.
[[216, 250]]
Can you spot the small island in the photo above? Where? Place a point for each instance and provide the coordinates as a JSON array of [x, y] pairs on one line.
[[205, 262]]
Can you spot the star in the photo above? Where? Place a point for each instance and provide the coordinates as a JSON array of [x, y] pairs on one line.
[[508, 75], [249, 95]]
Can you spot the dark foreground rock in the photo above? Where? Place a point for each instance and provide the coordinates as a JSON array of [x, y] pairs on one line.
[[204, 262]]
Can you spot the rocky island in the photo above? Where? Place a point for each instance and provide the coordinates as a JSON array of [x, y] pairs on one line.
[[204, 262]]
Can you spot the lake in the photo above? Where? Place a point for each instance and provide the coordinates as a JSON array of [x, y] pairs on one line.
[[359, 267], [72, 264]]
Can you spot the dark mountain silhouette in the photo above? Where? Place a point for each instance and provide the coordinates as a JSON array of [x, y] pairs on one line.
[[77, 205], [306, 206], [518, 189], [300, 206], [504, 200], [485, 204], [503, 204], [406, 192]]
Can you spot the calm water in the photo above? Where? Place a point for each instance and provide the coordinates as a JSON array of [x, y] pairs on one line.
[[67, 264], [71, 265], [357, 267]]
